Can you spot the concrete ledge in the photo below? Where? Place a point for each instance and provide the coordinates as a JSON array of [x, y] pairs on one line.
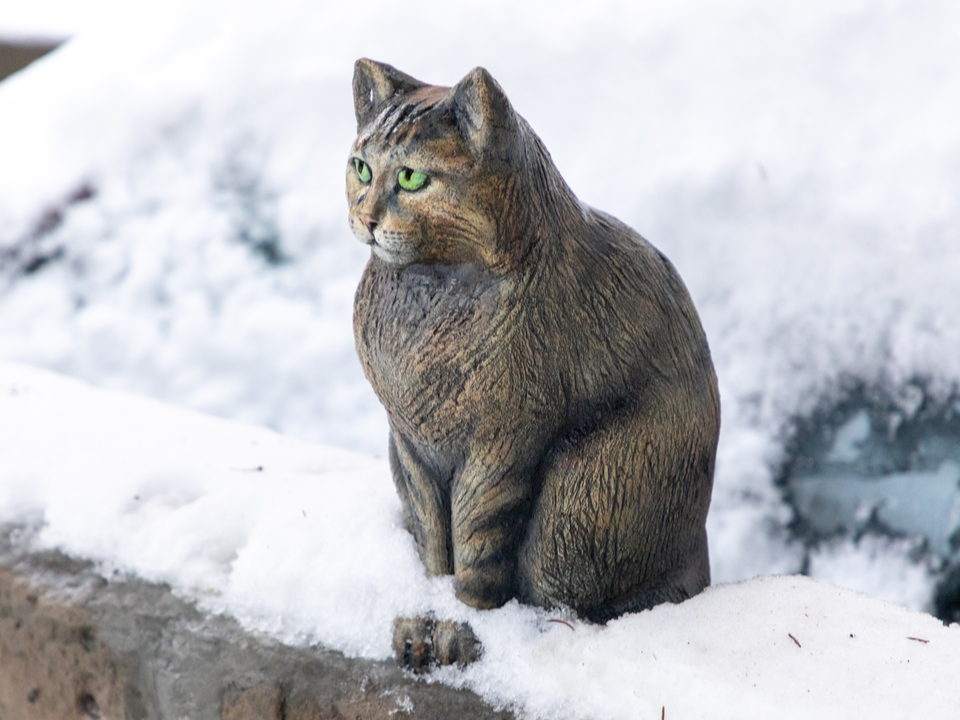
[[73, 645]]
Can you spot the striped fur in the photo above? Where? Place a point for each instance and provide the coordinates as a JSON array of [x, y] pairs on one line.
[[553, 407]]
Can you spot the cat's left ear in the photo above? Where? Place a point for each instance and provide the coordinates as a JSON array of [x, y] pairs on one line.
[[483, 113], [374, 82]]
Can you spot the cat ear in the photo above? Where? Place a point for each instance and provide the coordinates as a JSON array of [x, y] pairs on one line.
[[374, 82], [482, 110]]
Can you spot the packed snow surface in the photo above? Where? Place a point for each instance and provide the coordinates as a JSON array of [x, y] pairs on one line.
[[172, 222], [57, 19], [305, 542]]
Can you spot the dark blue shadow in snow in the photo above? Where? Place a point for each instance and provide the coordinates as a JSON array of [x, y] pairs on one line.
[[884, 462]]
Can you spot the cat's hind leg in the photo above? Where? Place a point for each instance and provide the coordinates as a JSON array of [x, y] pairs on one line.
[[618, 525]]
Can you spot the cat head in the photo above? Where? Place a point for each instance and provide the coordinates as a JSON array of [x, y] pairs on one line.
[[431, 174]]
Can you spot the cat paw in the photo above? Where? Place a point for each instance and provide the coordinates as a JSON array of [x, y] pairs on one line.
[[421, 643], [413, 642], [454, 642]]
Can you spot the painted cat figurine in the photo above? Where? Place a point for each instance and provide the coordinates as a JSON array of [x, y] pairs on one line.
[[553, 406]]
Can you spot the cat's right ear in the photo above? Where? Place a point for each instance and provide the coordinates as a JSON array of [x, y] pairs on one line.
[[483, 113], [375, 82]]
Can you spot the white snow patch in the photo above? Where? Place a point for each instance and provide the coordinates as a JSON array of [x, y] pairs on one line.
[[304, 542]]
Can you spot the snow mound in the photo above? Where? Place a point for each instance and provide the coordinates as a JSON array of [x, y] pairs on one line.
[[304, 542]]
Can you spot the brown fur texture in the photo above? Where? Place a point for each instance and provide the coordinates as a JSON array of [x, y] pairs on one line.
[[553, 407]]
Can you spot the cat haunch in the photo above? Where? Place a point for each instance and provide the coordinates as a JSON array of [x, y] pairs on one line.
[[553, 407]]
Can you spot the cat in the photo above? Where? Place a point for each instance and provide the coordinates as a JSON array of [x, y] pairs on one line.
[[552, 403]]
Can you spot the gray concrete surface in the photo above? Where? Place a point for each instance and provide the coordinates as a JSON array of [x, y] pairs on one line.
[[76, 645]]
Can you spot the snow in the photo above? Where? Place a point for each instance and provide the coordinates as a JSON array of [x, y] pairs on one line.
[[173, 176], [57, 19], [254, 523]]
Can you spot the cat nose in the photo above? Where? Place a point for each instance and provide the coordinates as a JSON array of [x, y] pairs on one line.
[[368, 221]]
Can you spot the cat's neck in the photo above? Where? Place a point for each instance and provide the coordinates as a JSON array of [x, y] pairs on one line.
[[544, 209]]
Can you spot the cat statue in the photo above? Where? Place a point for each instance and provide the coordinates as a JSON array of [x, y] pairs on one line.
[[552, 403]]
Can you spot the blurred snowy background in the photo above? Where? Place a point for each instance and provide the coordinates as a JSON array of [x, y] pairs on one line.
[[173, 223]]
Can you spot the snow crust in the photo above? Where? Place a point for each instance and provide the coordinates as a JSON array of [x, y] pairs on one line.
[[304, 541]]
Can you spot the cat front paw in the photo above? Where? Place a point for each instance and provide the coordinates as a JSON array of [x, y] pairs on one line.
[[423, 642], [413, 642], [454, 642]]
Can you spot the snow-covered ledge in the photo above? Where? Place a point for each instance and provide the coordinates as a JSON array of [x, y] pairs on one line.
[[304, 542]]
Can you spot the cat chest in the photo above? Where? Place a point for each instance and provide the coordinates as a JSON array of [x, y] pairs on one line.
[[432, 351]]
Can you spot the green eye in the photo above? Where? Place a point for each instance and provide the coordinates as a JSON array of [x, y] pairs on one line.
[[363, 170], [411, 180]]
